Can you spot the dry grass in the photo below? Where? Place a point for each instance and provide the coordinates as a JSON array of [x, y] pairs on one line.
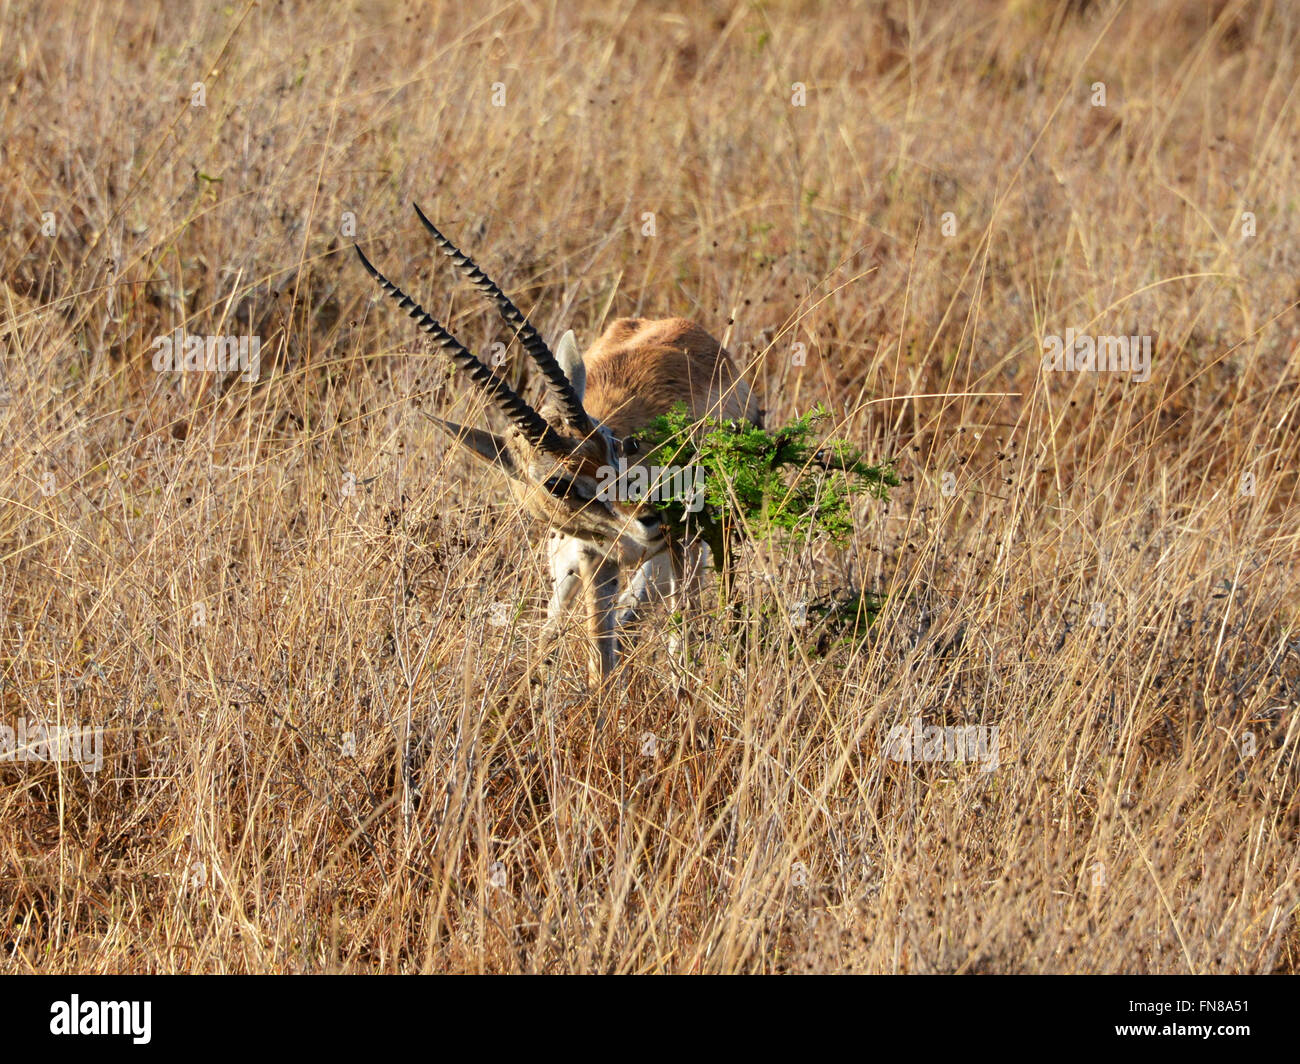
[[321, 754]]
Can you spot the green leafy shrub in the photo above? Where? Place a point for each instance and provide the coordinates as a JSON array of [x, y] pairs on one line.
[[764, 483]]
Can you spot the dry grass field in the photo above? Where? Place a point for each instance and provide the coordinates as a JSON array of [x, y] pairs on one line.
[[306, 627]]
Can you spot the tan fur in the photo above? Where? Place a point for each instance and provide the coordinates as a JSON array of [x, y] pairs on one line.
[[640, 367]]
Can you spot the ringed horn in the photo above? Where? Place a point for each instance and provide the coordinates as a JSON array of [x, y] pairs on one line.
[[521, 415]]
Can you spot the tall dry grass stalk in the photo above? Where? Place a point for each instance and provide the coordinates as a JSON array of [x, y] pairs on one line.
[[304, 623]]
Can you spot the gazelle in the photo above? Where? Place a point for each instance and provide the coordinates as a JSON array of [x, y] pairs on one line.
[[559, 456]]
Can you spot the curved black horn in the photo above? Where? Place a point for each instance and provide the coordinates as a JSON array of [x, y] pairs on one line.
[[528, 421], [533, 343]]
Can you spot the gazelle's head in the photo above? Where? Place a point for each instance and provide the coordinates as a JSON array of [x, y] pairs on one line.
[[559, 459]]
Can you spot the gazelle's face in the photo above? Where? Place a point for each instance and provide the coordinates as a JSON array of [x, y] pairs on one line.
[[582, 496], [576, 488], [562, 464]]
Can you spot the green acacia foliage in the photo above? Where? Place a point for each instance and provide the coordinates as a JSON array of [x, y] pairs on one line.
[[764, 482]]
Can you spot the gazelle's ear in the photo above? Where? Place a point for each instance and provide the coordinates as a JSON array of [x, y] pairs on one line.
[[570, 360], [488, 446]]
